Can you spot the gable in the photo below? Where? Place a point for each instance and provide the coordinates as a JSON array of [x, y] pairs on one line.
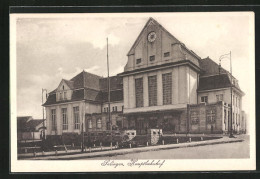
[[151, 26], [63, 86], [155, 46]]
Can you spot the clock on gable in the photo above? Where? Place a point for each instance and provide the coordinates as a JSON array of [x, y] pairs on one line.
[[151, 36]]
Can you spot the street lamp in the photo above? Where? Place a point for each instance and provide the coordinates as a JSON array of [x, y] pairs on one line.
[[220, 58], [43, 90]]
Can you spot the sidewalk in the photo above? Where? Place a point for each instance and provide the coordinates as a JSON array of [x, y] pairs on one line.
[[75, 154]]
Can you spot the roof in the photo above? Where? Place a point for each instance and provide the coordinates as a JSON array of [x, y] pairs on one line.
[[116, 82], [69, 83], [87, 86], [22, 120], [93, 95], [32, 124], [77, 95], [213, 76], [86, 80], [26, 123], [216, 82], [210, 67], [116, 95]]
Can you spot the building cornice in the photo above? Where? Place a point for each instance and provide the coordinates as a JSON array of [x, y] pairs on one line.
[[62, 103], [162, 66]]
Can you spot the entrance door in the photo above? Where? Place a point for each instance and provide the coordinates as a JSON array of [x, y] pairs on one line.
[[140, 127]]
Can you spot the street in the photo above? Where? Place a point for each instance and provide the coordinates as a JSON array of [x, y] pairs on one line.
[[218, 151]]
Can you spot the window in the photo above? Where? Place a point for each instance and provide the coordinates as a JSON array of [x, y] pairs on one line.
[[166, 54], [64, 119], [76, 117], [65, 95], [104, 109], [204, 99], [219, 97], [99, 124], [63, 87], [119, 124], [60, 96], [167, 88], [238, 102], [152, 90], [152, 58], [139, 92], [115, 108], [138, 61], [194, 117], [122, 108], [53, 120], [225, 119], [211, 116], [90, 124], [107, 110]]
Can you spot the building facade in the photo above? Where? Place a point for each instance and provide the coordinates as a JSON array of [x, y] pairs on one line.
[[164, 85]]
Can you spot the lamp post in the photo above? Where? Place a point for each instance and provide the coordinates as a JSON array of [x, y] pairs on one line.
[[43, 90], [231, 95], [108, 86]]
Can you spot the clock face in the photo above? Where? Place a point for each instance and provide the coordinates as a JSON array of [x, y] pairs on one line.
[[151, 36]]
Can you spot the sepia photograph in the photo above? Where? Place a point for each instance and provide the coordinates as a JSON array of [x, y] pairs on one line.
[[97, 92]]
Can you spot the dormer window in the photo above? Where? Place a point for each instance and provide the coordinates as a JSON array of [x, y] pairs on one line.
[[152, 58], [166, 54], [138, 61]]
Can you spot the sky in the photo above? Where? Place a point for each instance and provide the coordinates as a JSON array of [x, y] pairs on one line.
[[52, 47]]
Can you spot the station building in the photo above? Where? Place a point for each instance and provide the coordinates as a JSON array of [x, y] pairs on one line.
[[164, 85]]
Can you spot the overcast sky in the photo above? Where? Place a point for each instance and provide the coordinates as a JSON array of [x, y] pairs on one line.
[[61, 46]]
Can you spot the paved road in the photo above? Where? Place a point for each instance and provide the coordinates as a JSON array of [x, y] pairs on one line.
[[228, 150]]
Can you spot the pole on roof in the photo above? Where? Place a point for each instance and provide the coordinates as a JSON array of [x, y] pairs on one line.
[[108, 85]]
